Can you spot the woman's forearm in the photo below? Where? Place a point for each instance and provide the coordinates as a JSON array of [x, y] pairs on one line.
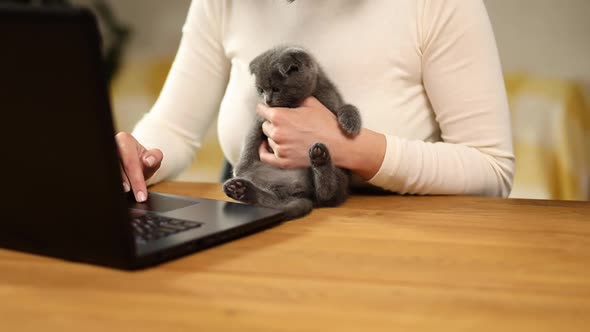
[[364, 154]]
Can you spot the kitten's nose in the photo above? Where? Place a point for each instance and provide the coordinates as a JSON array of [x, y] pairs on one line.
[[267, 98]]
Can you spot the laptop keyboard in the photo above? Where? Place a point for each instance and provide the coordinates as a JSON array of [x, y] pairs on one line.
[[148, 227]]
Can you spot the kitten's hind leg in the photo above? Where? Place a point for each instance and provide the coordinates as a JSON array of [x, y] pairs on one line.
[[330, 183], [319, 155], [244, 190], [349, 119], [240, 189]]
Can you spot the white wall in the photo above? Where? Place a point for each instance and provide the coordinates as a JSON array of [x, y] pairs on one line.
[[156, 24], [549, 37]]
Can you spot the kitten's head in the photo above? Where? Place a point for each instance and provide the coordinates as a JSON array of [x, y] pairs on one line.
[[285, 76]]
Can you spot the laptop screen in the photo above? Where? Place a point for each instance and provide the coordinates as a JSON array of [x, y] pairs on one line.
[[59, 163]]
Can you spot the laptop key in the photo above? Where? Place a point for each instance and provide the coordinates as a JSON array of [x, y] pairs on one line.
[[151, 227]]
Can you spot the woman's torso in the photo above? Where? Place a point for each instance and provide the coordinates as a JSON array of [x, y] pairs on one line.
[[371, 50]]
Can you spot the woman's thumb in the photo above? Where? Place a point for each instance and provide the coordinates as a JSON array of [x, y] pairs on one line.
[[152, 158]]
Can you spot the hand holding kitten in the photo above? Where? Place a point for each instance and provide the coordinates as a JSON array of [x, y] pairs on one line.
[[291, 132]]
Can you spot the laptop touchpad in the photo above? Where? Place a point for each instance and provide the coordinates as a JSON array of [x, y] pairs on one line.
[[159, 203]]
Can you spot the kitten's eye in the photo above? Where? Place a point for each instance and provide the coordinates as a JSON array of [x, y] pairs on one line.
[[259, 90], [276, 90]]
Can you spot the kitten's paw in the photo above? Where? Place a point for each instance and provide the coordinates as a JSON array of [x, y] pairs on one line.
[[349, 119], [239, 189], [319, 155]]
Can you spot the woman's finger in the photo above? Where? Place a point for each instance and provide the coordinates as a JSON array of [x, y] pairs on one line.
[[132, 166]]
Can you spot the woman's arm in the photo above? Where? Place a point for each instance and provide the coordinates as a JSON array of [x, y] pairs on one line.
[[191, 94], [463, 79]]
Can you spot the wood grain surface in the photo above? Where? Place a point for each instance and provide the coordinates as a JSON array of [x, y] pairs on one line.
[[377, 263]]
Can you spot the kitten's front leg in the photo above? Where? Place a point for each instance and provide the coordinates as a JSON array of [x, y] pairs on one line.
[[330, 183], [349, 119], [249, 154]]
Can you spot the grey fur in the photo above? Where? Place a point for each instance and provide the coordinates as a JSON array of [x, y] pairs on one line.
[[285, 76]]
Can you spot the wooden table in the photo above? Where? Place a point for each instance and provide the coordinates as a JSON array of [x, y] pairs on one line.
[[378, 263]]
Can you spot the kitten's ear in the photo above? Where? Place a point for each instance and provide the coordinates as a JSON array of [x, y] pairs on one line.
[[292, 60], [287, 69]]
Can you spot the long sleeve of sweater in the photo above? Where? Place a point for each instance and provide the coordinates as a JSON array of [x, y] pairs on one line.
[[463, 79]]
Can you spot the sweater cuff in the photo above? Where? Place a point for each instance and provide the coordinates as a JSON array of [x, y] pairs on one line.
[[391, 162]]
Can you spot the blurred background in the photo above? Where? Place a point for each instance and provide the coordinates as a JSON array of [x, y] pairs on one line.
[[544, 48]]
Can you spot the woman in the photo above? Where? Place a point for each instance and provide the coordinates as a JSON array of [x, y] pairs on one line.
[[425, 75]]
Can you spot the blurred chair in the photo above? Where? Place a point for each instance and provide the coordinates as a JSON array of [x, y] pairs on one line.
[[551, 132]]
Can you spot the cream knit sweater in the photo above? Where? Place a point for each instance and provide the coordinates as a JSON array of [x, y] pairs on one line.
[[425, 73]]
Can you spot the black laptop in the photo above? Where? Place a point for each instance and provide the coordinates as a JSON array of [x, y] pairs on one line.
[[59, 166]]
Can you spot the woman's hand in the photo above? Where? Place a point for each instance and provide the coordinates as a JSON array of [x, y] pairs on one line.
[[137, 164], [291, 132]]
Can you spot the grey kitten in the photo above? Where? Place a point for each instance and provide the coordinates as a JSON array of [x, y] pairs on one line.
[[285, 76]]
